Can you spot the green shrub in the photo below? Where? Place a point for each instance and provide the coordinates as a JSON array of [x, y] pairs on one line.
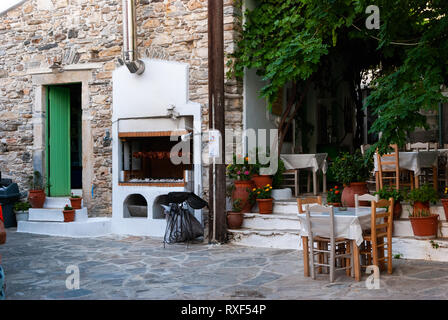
[[425, 193], [348, 168]]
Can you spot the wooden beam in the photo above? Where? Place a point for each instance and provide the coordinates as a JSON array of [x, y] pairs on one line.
[[217, 172]]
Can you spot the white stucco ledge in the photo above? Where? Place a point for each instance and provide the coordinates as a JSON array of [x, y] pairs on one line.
[[92, 227]]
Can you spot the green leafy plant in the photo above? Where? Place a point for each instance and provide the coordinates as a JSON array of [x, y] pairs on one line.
[[22, 206], [389, 192], [434, 244], [334, 195], [36, 181], [67, 208], [240, 169], [420, 213], [425, 193], [277, 179], [261, 193], [348, 168], [237, 205], [75, 196], [398, 256]]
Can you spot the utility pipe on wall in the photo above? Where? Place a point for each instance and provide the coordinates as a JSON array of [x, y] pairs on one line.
[[130, 53]]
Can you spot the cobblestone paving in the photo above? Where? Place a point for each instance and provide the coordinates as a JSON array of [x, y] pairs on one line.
[[117, 267]]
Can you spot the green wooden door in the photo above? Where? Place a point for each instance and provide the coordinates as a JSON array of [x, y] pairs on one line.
[[58, 141]]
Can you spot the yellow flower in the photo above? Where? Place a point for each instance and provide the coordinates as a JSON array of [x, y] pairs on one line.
[[254, 189], [268, 185]]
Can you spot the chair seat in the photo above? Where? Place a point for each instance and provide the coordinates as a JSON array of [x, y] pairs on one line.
[[323, 239]]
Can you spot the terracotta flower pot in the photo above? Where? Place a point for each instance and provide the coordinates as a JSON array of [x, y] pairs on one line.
[[398, 209], [76, 203], [348, 194], [445, 206], [335, 204], [262, 181], [234, 220], [36, 198], [420, 206], [69, 215], [425, 227], [264, 206], [242, 191]]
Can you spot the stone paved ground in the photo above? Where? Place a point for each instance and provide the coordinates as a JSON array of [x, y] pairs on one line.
[[116, 267]]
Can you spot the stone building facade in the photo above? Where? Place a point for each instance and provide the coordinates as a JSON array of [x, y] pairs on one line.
[[84, 37]]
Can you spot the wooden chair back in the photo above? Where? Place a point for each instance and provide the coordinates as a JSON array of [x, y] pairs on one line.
[[418, 146], [303, 201], [381, 226], [389, 162], [365, 197]]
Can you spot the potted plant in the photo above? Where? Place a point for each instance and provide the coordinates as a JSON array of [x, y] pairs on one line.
[[21, 210], [264, 198], [240, 171], [36, 194], [424, 224], [334, 197], [69, 213], [235, 217], [445, 201], [389, 192], [76, 202], [352, 170], [259, 179], [422, 197]]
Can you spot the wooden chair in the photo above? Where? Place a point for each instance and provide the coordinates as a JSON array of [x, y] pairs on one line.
[[418, 146], [390, 164], [304, 201], [330, 251], [365, 197], [380, 229], [430, 174], [291, 179]]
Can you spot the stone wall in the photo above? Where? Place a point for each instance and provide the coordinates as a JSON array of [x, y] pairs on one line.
[[75, 32]]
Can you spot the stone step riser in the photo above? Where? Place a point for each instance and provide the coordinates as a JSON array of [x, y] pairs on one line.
[[269, 222], [56, 202], [54, 215], [277, 240]]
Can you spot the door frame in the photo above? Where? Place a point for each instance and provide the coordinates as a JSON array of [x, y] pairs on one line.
[[43, 78]]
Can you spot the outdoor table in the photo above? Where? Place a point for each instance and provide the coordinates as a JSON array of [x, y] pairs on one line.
[[348, 225], [415, 161], [317, 162]]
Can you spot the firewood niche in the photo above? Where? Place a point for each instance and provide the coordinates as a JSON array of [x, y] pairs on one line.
[[149, 160]]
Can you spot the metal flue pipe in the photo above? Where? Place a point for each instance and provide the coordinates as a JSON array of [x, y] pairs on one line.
[[130, 53]]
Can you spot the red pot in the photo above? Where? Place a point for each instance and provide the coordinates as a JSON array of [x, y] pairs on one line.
[[335, 204], [36, 198], [348, 194], [76, 203], [69, 215], [262, 181], [264, 206], [425, 227], [445, 207], [234, 220], [398, 209], [242, 191], [420, 206]]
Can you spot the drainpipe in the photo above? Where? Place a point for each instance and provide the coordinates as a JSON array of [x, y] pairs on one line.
[[130, 53]]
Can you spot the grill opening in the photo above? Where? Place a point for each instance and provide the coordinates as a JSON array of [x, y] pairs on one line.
[[135, 206]]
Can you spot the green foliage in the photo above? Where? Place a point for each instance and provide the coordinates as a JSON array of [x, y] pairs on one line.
[[425, 193], [240, 169], [277, 179], [261, 193], [348, 168], [291, 41], [334, 195], [237, 205], [75, 196], [67, 207], [21, 206], [389, 192]]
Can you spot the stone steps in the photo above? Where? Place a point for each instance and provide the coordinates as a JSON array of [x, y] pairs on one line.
[[55, 215], [278, 239], [56, 202], [92, 227]]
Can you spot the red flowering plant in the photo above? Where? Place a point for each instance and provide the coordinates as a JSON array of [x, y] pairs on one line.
[[240, 169], [334, 195]]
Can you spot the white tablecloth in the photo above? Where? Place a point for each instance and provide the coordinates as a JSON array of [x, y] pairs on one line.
[[414, 161], [317, 161], [348, 224]]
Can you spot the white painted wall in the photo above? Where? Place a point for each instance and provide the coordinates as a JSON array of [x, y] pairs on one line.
[[149, 95]]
